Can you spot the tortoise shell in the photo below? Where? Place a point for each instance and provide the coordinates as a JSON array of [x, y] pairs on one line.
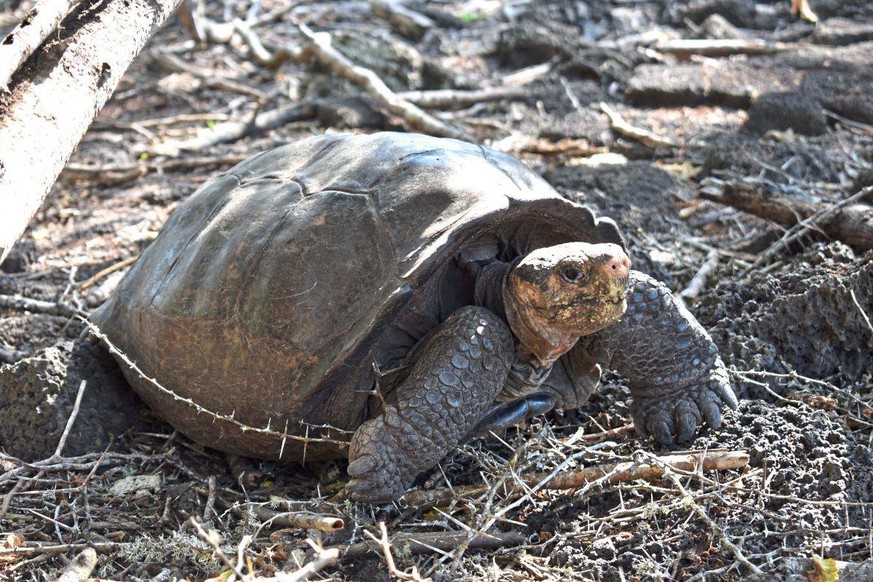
[[275, 290]]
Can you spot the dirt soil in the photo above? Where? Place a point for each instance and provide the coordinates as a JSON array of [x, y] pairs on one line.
[[788, 307]]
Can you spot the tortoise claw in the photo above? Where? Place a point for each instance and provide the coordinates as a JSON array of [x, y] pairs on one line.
[[675, 415]]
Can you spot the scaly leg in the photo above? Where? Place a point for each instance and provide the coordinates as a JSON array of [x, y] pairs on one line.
[[676, 376], [452, 384]]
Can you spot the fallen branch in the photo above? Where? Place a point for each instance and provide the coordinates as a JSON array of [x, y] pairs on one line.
[[8, 356], [698, 281], [299, 519], [848, 220], [34, 28], [48, 111], [173, 63], [426, 543], [323, 559], [615, 473], [121, 173], [37, 306], [519, 143], [318, 45], [528, 75], [321, 48], [453, 98], [707, 47], [79, 569], [406, 21], [233, 130], [622, 127]]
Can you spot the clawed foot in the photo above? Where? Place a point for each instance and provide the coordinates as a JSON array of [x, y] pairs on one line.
[[673, 417], [377, 468]]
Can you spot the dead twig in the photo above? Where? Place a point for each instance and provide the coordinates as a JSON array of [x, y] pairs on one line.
[[298, 519], [622, 127], [519, 143], [80, 568], [107, 124], [716, 531], [385, 545], [426, 543], [70, 421], [527, 75], [611, 473], [698, 281], [107, 271], [213, 538], [99, 547], [847, 220], [35, 27], [121, 173], [233, 130], [283, 436], [453, 98], [37, 306], [721, 47], [861, 310], [320, 45], [173, 63], [323, 559]]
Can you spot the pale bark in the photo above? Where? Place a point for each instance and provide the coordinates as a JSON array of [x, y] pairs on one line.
[[52, 102], [33, 29]]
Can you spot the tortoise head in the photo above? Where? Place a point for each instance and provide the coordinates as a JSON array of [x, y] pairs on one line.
[[557, 294]]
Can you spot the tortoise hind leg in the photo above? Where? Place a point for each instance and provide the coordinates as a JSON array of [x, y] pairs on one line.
[[452, 384]]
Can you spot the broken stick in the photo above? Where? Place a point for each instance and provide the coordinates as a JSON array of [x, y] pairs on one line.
[[622, 127], [299, 519], [320, 45], [849, 220], [611, 473], [424, 543]]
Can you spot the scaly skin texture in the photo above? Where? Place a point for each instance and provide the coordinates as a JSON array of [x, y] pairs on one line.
[[452, 384], [676, 376]]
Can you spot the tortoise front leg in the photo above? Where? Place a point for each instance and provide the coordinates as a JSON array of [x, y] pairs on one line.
[[452, 384], [676, 376]]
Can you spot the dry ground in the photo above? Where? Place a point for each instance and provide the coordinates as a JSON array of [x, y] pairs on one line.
[[788, 306]]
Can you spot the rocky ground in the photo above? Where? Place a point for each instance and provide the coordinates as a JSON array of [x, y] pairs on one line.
[[707, 153]]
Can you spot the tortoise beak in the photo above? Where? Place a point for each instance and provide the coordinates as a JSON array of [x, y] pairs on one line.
[[615, 270]]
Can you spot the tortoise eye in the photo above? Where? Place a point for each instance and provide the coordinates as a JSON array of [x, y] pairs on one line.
[[572, 274]]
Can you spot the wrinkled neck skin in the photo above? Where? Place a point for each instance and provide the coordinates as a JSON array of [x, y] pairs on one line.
[[538, 346]]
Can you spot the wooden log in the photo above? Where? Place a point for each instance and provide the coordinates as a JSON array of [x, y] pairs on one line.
[[55, 97], [850, 220]]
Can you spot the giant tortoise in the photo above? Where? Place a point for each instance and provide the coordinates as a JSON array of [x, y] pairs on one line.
[[388, 296]]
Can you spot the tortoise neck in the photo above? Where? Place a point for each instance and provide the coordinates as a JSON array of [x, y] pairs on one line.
[[490, 282]]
